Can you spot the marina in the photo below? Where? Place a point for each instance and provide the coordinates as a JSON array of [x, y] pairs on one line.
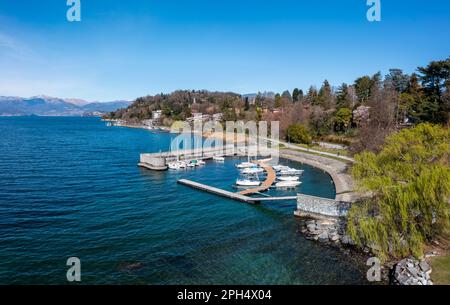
[[280, 177]]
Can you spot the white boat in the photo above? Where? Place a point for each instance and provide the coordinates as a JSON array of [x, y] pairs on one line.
[[252, 170], [218, 158], [247, 182], [196, 162], [246, 165], [278, 168], [287, 184], [173, 165], [288, 178], [181, 164], [291, 171], [190, 164]]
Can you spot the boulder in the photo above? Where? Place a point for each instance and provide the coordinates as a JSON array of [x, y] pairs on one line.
[[424, 266], [323, 237]]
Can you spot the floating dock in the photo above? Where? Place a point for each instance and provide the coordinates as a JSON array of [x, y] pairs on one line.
[[270, 179], [231, 195], [216, 191]]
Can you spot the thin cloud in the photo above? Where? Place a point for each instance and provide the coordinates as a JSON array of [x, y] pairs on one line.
[[14, 48]]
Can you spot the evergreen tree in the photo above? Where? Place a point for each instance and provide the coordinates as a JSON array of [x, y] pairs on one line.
[[312, 96], [295, 94], [325, 96], [362, 87], [343, 99], [434, 79], [398, 80]]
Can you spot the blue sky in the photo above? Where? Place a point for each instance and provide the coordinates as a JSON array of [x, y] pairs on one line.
[[125, 49]]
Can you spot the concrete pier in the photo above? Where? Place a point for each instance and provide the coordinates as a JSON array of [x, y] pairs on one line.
[[216, 191], [231, 195], [158, 161]]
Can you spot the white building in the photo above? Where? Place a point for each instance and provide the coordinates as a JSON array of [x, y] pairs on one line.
[[156, 114]]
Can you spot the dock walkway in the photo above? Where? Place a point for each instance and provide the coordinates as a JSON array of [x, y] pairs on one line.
[[231, 195], [270, 179]]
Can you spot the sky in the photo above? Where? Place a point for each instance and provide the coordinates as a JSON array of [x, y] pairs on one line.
[[126, 49]]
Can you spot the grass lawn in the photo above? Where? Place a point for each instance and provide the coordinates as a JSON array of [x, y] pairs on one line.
[[342, 152], [315, 154], [441, 269]]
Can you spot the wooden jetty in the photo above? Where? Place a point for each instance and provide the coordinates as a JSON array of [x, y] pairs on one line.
[[270, 179]]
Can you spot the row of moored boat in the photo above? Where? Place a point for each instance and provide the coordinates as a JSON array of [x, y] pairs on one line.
[[287, 177]]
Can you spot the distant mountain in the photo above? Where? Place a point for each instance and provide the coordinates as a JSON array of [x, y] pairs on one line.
[[52, 106], [266, 94]]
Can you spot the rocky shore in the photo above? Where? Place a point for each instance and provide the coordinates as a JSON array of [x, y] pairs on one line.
[[408, 271], [326, 230], [411, 271]]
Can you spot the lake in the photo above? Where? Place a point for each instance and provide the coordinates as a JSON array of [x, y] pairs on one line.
[[71, 187]]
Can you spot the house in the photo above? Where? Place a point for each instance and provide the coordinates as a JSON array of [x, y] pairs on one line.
[[156, 115], [217, 117]]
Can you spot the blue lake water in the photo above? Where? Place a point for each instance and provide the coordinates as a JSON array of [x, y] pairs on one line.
[[71, 187]]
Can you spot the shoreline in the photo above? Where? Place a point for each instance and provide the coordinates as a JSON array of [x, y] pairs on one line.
[[337, 168], [343, 181]]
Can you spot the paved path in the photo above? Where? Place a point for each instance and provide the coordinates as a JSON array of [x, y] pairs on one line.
[[337, 169], [293, 146]]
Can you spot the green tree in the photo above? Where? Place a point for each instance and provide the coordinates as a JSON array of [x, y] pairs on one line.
[[312, 96], [398, 80], [325, 98], [362, 88], [298, 133], [343, 99], [342, 119], [435, 77], [246, 104], [277, 100], [295, 95], [409, 183]]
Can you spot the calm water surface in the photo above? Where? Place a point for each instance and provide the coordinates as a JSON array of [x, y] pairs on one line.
[[71, 187]]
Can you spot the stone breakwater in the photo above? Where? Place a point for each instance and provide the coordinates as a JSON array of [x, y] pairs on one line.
[[327, 231], [410, 271]]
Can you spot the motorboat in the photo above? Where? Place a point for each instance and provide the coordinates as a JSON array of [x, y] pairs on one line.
[[196, 162], [279, 167], [291, 171], [218, 158], [288, 178], [287, 184], [246, 165], [173, 165], [247, 182], [181, 164], [252, 170]]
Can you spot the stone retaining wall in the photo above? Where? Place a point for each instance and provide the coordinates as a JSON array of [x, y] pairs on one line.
[[310, 205]]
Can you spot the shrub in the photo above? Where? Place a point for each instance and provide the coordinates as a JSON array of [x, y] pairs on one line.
[[298, 133]]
